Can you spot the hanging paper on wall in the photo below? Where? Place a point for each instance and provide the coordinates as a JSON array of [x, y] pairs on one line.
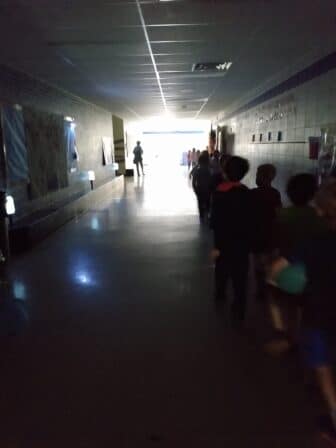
[[107, 151], [46, 151], [70, 145], [15, 142]]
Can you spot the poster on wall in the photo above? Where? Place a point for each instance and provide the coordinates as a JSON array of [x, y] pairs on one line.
[[15, 142], [71, 146], [107, 151], [47, 159]]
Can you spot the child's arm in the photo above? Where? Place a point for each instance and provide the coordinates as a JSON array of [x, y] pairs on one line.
[[277, 266]]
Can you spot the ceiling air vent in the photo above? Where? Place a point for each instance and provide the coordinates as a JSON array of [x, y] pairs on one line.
[[212, 69]]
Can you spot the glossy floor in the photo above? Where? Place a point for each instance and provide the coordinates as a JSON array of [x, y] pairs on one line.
[[120, 343]]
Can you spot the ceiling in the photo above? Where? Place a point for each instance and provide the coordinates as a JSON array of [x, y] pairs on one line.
[[135, 57]]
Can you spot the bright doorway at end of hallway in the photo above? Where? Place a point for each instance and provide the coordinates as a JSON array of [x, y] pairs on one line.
[[166, 142]]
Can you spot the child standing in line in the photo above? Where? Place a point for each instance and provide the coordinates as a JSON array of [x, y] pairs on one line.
[[189, 160], [312, 269], [219, 176], [231, 215], [294, 226], [201, 182], [266, 201], [215, 163], [193, 158], [299, 221]]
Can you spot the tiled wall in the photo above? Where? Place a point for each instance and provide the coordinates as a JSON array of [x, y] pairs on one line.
[[298, 114], [92, 124]]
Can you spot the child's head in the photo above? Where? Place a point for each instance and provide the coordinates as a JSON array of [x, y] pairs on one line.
[[265, 175], [325, 201], [236, 168], [301, 189]]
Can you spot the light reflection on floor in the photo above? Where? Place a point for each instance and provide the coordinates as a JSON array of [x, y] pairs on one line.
[[19, 290], [162, 191]]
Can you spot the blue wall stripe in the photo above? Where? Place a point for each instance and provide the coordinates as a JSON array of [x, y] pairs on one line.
[[315, 70]]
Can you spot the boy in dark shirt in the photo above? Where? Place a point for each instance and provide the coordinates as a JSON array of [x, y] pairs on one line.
[[231, 215], [312, 269], [299, 221], [266, 201]]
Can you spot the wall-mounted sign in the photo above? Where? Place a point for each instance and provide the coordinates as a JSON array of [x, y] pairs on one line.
[[275, 110]]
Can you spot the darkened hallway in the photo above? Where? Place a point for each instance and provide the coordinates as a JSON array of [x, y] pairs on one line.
[[125, 347]]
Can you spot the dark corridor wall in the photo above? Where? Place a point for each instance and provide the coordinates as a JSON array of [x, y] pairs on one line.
[[298, 112], [92, 123]]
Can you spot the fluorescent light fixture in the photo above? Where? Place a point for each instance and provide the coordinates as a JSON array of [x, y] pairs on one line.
[[10, 205], [228, 65], [91, 175], [69, 119]]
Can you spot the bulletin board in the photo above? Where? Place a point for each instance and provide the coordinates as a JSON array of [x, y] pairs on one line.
[[71, 146], [47, 159]]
